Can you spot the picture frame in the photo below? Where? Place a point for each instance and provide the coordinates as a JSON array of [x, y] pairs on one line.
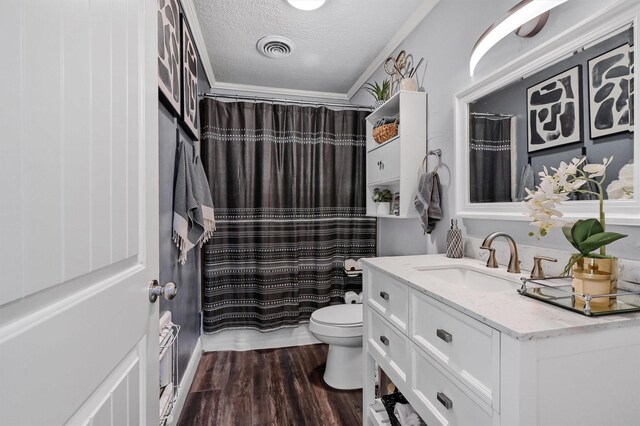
[[189, 82], [554, 111], [611, 92], [169, 62]]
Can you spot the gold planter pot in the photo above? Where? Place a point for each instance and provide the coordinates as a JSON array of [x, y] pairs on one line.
[[595, 276]]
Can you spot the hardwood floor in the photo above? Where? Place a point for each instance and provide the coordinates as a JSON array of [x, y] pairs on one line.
[[282, 387]]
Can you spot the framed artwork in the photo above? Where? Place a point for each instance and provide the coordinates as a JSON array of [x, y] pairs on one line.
[[611, 92], [189, 81], [169, 54], [554, 111]]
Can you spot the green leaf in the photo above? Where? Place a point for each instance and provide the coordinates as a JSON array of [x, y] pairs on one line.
[[583, 229], [566, 230], [596, 241]]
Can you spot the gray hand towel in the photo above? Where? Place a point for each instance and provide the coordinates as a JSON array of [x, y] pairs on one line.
[[427, 201], [202, 193], [193, 220]]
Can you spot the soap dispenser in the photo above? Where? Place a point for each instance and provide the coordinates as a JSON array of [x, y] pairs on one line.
[[454, 241]]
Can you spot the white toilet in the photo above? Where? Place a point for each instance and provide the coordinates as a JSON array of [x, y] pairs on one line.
[[340, 326]]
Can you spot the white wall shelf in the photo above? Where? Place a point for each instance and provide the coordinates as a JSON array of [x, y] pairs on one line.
[[395, 164]]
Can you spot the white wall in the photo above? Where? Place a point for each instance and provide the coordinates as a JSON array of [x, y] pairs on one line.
[[445, 39]]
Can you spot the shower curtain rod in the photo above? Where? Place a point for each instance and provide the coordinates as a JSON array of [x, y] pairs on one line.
[[285, 101], [491, 114]]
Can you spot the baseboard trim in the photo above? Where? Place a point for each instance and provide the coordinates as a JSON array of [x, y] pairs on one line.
[[247, 340], [185, 385]]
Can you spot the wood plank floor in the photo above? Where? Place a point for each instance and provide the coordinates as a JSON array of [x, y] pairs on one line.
[[269, 387]]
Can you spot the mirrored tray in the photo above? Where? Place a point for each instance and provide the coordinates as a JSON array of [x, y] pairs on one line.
[[558, 291]]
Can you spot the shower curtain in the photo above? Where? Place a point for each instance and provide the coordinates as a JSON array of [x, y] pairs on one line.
[[490, 159], [288, 187]]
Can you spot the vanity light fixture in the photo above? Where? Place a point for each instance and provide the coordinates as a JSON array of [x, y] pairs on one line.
[[516, 17], [306, 4]]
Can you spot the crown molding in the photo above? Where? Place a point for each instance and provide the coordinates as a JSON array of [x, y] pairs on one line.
[[189, 11], [414, 20], [305, 94]]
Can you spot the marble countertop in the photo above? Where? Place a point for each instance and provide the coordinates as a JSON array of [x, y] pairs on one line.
[[506, 310]]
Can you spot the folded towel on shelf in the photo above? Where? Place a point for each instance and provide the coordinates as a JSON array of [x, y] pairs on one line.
[[193, 221], [406, 415], [427, 200]]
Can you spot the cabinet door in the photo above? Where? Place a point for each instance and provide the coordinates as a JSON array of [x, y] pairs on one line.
[[383, 163]]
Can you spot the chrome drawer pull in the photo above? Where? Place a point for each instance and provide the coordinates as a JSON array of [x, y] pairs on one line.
[[384, 295], [447, 337], [384, 340], [444, 400]]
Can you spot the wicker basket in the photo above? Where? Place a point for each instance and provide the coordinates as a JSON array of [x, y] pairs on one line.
[[385, 132], [389, 402]]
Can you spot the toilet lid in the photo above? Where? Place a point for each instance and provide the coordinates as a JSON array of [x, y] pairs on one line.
[[339, 315]]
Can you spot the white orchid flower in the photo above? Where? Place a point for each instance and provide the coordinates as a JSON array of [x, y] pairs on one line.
[[595, 170], [622, 188], [626, 173]]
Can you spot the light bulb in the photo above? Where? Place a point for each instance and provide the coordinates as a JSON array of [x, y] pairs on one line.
[[306, 4]]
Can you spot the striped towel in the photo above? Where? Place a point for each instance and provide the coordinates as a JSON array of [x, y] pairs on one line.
[[427, 201], [203, 197], [193, 220]]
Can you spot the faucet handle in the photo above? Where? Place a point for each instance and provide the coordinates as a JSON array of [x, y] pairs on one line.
[[537, 272], [491, 261]]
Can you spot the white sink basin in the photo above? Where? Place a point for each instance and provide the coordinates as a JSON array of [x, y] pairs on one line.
[[470, 279]]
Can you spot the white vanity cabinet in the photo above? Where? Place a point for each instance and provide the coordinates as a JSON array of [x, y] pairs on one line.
[[462, 367], [395, 164]]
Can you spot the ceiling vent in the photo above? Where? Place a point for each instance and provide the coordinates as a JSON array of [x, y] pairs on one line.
[[275, 46]]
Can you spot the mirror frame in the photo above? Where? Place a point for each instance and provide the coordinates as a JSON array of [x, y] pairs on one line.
[[611, 20]]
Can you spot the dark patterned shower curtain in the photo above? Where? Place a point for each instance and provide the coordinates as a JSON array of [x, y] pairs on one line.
[[490, 159], [288, 186]]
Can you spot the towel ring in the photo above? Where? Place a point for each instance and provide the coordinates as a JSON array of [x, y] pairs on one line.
[[438, 154]]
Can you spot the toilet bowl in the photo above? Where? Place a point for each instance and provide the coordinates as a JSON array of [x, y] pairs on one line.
[[340, 326]]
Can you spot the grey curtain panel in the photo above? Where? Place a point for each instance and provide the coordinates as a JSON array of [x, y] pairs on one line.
[[288, 186], [490, 159]]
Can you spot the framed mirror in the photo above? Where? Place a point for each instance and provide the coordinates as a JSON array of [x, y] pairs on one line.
[[572, 97]]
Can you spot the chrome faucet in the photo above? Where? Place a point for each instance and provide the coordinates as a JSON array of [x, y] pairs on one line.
[[514, 262]]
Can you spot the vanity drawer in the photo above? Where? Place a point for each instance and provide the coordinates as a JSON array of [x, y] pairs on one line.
[[383, 163], [469, 349], [442, 398], [388, 346], [388, 297]]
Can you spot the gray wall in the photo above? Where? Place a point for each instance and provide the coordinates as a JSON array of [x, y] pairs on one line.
[[512, 100], [445, 39], [185, 307]]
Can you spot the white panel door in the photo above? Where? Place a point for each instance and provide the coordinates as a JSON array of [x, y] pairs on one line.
[[78, 213]]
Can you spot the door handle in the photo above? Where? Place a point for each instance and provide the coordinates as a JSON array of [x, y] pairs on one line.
[[168, 291]]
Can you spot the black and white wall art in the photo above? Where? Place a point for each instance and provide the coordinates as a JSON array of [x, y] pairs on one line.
[[189, 80], [554, 111], [169, 52], [610, 86]]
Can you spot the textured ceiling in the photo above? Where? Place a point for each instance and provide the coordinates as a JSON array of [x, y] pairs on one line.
[[333, 44]]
